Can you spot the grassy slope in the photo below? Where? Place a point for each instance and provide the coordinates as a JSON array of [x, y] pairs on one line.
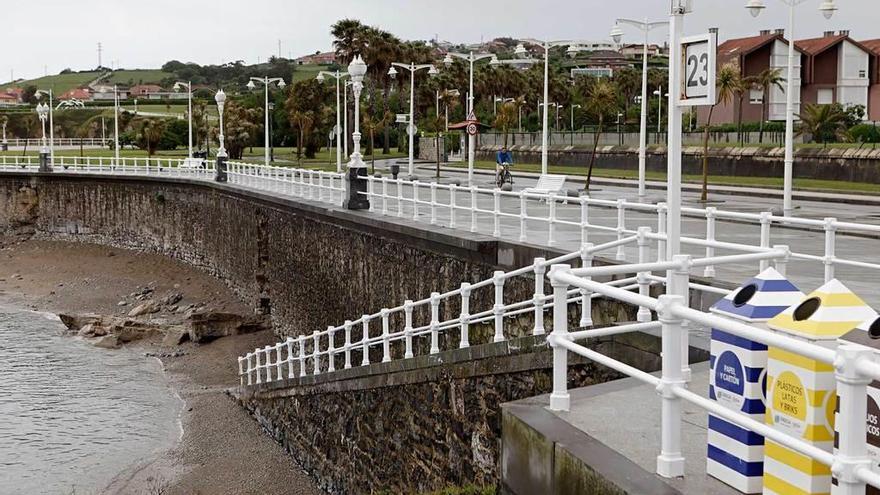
[[59, 83]]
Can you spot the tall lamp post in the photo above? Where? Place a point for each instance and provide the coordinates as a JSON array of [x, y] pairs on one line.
[[266, 81], [48, 93], [755, 7], [4, 145], [471, 58], [220, 172], [338, 129], [356, 180], [617, 34], [411, 127], [43, 111], [547, 45], [189, 97], [116, 126]]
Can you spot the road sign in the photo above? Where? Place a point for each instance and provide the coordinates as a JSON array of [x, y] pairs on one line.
[[412, 129], [472, 129], [402, 118], [472, 117], [698, 70]]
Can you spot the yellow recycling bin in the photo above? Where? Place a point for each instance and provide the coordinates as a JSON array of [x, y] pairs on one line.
[[801, 394]]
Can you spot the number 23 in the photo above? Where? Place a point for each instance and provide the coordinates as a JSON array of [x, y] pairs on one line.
[[694, 63]]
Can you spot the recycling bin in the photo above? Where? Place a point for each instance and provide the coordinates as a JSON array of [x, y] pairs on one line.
[[801, 394], [737, 379]]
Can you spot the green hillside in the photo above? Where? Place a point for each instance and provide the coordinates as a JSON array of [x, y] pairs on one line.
[[141, 76]]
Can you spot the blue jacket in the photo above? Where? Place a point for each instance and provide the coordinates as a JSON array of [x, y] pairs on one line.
[[503, 157]]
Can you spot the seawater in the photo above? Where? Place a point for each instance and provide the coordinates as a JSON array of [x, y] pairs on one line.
[[73, 416]]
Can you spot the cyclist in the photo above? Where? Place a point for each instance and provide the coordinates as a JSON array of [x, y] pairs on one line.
[[503, 159]]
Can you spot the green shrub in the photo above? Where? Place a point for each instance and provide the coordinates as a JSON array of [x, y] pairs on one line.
[[865, 133]]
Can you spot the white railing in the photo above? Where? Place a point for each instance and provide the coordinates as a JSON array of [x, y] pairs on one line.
[[545, 218], [310, 184], [855, 367]]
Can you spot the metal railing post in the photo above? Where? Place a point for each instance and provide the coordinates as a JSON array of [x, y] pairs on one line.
[[765, 237], [678, 284], [290, 358], [452, 205], [240, 371], [496, 213], [586, 295], [331, 356], [781, 264], [257, 367], [465, 315], [709, 272], [386, 343], [522, 216], [621, 228], [407, 329], [559, 399], [347, 327], [852, 451], [661, 230], [473, 208], [370, 192], [433, 203], [250, 369], [498, 308], [384, 195], [316, 360], [830, 247], [399, 198], [540, 268], [365, 342], [551, 230], [268, 365], [670, 462], [585, 220], [435, 322], [644, 314], [279, 373], [415, 200], [302, 356]]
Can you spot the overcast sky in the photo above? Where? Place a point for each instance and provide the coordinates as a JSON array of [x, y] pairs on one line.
[[50, 35]]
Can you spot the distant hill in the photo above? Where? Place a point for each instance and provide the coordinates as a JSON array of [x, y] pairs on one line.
[[61, 83]]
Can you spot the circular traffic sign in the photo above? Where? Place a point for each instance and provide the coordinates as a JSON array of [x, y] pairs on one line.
[[412, 129], [472, 129]]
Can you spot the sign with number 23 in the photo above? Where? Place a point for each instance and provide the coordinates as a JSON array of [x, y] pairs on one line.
[[698, 70]]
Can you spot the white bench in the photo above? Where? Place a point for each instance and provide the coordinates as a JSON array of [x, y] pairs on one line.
[[549, 184]]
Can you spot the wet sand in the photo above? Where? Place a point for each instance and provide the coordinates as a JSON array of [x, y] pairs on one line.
[[221, 450]]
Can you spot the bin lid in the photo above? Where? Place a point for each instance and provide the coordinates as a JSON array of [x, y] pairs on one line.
[[826, 314], [760, 298], [866, 334]]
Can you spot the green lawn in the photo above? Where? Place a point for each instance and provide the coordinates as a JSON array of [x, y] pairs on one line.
[[140, 76], [59, 83], [768, 182], [303, 72]]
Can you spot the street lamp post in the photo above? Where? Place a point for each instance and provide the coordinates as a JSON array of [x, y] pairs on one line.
[[115, 126], [220, 172], [43, 111], [411, 127], [4, 145], [48, 93], [617, 34], [755, 7], [659, 94], [189, 95], [356, 180], [266, 81], [471, 58], [337, 130], [547, 45]]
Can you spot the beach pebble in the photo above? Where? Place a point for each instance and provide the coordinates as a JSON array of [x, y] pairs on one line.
[[122, 303]]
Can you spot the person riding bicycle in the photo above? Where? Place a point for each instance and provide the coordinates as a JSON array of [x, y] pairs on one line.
[[502, 158]]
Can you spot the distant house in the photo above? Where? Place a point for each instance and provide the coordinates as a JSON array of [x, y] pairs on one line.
[[324, 58], [637, 50], [8, 99], [599, 63], [142, 90], [104, 92], [835, 70], [753, 55], [874, 77], [81, 94]]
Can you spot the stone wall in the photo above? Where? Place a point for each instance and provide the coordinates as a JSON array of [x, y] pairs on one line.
[[810, 163], [428, 149]]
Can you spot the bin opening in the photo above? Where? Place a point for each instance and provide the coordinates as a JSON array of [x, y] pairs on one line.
[[806, 309], [745, 295], [874, 329]]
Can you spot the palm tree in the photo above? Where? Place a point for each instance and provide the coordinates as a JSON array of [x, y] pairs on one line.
[[823, 122], [601, 101], [765, 81], [150, 134], [371, 124], [727, 83], [506, 119]]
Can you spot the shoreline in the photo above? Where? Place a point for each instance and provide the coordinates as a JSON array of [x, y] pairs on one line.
[[218, 447]]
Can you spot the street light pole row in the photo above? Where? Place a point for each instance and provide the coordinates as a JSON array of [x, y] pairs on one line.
[[411, 127], [336, 130], [267, 82]]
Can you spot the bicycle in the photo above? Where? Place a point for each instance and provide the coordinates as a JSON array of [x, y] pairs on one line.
[[504, 176]]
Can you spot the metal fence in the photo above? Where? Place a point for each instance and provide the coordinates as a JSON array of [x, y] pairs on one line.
[[36, 142], [612, 138]]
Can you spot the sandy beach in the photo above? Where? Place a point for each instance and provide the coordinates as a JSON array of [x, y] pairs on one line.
[[221, 449]]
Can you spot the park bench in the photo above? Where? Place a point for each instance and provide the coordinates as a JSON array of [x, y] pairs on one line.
[[548, 184]]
